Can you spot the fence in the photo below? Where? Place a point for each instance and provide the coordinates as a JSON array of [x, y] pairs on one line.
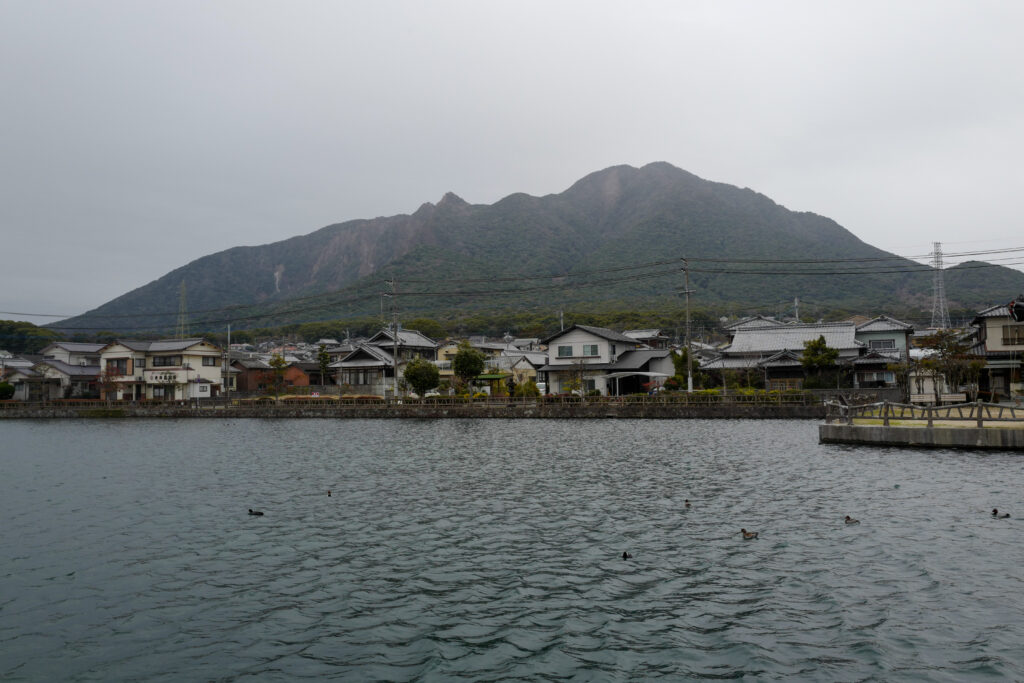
[[978, 412], [681, 398]]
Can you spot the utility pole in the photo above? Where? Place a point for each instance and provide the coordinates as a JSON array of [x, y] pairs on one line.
[[689, 350], [227, 367], [796, 308], [394, 337]]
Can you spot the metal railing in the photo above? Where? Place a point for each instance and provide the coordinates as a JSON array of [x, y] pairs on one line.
[[978, 412], [328, 403]]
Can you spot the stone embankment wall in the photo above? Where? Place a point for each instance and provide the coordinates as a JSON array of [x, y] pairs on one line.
[[1000, 438], [481, 410]]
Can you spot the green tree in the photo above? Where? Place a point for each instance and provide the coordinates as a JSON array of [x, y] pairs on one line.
[[527, 389], [6, 391], [422, 375], [818, 357], [467, 364], [324, 361], [278, 365]]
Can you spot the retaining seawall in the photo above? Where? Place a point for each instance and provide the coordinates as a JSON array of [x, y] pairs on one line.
[[997, 438], [539, 410]]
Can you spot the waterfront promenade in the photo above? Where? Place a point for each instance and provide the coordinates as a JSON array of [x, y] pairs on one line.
[[965, 425]]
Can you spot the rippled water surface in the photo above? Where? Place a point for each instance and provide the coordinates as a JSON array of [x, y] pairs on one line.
[[491, 550]]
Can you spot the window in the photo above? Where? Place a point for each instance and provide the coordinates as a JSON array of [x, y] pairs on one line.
[[1013, 335], [118, 365], [565, 351], [210, 361], [882, 344], [166, 361], [159, 392], [140, 363], [590, 349]]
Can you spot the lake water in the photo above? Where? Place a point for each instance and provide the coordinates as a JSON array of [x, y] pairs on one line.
[[491, 550]]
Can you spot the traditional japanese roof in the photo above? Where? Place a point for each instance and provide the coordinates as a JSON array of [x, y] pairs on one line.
[[75, 347], [765, 340], [405, 338], [365, 356], [997, 311], [603, 332], [22, 361], [644, 335], [71, 370], [753, 321], [785, 358], [639, 358], [731, 363], [251, 363], [9, 372], [536, 358], [884, 323], [157, 346], [876, 357]]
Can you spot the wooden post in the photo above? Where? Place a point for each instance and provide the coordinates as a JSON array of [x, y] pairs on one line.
[[931, 415], [885, 413], [980, 408]]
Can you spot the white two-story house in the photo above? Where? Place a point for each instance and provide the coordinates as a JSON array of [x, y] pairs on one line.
[[169, 369], [603, 359]]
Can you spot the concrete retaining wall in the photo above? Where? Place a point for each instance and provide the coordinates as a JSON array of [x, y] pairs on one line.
[[924, 437]]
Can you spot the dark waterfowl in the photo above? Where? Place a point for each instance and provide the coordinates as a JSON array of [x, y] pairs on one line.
[[851, 520], [255, 513], [686, 503], [748, 535], [626, 556], [995, 513]]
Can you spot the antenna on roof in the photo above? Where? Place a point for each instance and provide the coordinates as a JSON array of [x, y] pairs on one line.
[[182, 330]]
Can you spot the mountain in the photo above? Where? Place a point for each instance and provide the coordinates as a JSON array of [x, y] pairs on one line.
[[613, 239]]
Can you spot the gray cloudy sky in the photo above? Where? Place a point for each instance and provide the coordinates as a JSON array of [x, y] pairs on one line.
[[137, 136]]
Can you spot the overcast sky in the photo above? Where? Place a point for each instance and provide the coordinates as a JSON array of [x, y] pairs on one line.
[[137, 136]]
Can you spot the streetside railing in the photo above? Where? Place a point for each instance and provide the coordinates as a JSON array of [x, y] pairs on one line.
[[328, 404], [978, 412]]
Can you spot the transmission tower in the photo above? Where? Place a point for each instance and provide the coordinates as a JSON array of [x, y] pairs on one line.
[[182, 330], [940, 311]]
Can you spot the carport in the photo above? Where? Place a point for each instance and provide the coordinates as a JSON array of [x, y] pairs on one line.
[[629, 384]]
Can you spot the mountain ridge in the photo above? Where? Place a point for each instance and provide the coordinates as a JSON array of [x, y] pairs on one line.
[[616, 217]]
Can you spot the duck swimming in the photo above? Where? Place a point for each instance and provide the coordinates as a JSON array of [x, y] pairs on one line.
[[995, 513], [255, 513], [747, 535], [851, 520], [626, 556], [686, 503]]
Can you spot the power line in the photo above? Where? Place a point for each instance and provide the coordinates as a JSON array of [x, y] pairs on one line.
[[851, 269]]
